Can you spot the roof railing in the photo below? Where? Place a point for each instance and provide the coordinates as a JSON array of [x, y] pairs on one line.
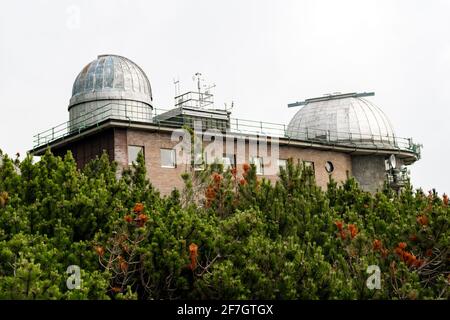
[[125, 111]]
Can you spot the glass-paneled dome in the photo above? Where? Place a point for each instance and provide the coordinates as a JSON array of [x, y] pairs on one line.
[[342, 118]]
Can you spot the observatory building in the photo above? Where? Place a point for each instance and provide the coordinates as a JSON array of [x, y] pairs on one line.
[[112, 110]]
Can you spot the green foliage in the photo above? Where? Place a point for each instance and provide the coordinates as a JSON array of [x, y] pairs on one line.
[[227, 235]]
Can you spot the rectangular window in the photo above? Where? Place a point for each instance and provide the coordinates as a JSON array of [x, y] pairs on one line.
[[168, 158], [282, 163], [309, 164], [199, 163], [133, 152], [228, 161], [258, 162]]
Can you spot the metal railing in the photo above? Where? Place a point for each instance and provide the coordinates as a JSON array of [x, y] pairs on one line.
[[125, 111]]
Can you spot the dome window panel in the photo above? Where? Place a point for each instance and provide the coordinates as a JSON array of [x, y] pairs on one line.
[[109, 73]]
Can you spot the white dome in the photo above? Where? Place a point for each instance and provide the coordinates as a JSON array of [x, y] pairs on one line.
[[341, 118]]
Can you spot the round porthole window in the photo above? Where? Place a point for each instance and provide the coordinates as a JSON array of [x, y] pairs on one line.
[[329, 166]]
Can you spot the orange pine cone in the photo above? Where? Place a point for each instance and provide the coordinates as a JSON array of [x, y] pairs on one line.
[[445, 199], [422, 220], [409, 258], [246, 167], [399, 251], [210, 193], [124, 266], [138, 207], [339, 225], [418, 263], [217, 178], [402, 245], [377, 244], [142, 217], [353, 230], [193, 253], [99, 250]]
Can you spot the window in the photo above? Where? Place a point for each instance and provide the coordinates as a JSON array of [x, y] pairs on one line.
[[133, 152], [228, 161], [258, 162], [308, 164], [329, 166], [199, 163], [168, 158], [282, 163]]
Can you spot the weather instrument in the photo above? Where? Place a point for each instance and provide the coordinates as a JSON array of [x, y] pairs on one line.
[[392, 161]]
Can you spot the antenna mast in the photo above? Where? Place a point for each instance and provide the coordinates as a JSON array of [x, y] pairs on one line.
[[176, 84], [200, 97]]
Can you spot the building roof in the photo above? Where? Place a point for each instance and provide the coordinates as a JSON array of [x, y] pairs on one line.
[[111, 77]]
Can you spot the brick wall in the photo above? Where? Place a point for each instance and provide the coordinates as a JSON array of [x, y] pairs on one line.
[[165, 179]]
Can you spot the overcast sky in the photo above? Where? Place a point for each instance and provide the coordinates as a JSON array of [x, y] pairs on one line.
[[260, 54]]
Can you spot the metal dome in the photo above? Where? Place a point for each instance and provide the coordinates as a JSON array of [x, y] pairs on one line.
[[342, 118], [111, 77], [106, 82]]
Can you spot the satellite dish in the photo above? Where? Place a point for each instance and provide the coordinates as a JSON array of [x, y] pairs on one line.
[[392, 161]]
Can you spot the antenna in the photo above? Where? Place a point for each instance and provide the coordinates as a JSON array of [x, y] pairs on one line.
[[230, 108], [176, 84], [208, 89], [197, 76], [199, 97]]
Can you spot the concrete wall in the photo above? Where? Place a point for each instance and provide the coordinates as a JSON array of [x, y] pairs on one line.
[[369, 171]]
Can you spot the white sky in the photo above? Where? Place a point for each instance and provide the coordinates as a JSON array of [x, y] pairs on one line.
[[260, 54]]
